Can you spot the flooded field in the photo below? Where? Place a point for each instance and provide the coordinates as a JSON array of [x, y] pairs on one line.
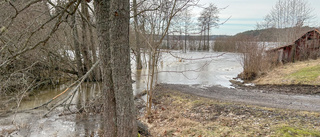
[[202, 69], [193, 68]]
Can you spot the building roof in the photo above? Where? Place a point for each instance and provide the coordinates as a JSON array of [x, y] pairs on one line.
[[316, 30]]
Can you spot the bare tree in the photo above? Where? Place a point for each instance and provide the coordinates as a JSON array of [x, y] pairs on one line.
[[157, 23], [182, 24], [188, 26], [209, 18], [288, 16], [30, 46]]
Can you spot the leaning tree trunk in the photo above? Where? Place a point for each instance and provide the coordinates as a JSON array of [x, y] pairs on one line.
[[102, 8], [121, 72]]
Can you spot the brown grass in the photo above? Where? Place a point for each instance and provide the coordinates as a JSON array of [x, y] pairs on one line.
[[179, 114]]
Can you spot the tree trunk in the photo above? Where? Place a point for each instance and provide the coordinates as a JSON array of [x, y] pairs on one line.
[[199, 47], [76, 44], [151, 78], [96, 72], [102, 8], [136, 25], [185, 42], [207, 48], [121, 72], [204, 38], [84, 46]]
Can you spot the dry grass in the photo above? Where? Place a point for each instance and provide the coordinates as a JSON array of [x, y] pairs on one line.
[[179, 114], [303, 73]]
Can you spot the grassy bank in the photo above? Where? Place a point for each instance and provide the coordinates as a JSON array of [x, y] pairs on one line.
[[179, 114], [299, 73]]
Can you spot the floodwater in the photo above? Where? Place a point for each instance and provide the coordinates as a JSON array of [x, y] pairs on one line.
[[201, 69], [193, 68]]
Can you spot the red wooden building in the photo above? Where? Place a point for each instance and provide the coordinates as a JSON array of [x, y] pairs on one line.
[[307, 46]]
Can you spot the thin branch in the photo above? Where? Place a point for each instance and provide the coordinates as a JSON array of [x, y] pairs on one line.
[[81, 80], [44, 41], [196, 58]]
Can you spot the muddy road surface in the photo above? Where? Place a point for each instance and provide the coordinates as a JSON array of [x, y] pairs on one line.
[[252, 97]]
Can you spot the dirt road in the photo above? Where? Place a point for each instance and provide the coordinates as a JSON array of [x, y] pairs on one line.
[[261, 98]]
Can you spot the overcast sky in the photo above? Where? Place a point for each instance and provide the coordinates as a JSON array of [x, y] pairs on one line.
[[246, 13]]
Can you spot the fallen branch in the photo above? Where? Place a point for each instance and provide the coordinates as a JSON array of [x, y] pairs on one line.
[[82, 79], [79, 81]]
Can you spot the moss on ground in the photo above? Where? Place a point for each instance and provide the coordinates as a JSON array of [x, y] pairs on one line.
[[306, 75], [299, 73], [288, 131]]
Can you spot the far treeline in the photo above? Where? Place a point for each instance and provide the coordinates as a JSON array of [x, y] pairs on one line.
[[255, 48], [287, 20], [268, 35], [285, 23]]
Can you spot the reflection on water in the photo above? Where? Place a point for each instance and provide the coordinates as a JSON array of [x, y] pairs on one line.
[[87, 125], [86, 92]]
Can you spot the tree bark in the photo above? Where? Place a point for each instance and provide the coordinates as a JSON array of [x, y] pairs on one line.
[[121, 70], [84, 46], [153, 66], [136, 25], [96, 72], [102, 8], [121, 116]]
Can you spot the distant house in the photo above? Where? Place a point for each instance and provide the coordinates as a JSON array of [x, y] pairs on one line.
[[307, 46]]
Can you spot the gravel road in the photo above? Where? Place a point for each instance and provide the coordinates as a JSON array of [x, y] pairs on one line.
[[252, 97]]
